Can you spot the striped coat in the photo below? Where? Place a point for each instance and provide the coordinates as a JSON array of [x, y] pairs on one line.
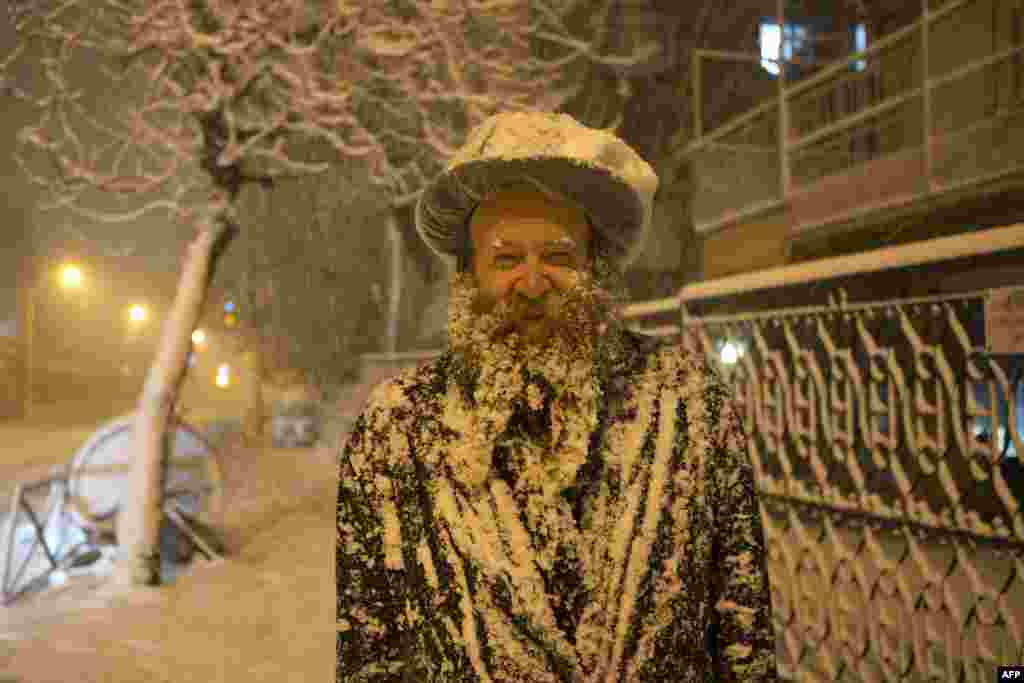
[[648, 566]]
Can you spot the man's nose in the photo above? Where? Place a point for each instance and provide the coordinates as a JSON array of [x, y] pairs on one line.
[[535, 282]]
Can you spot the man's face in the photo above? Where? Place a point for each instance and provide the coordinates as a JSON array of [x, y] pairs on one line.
[[528, 251]]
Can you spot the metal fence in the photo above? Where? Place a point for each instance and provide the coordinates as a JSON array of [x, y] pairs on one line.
[[34, 540], [945, 95], [39, 537], [887, 444]]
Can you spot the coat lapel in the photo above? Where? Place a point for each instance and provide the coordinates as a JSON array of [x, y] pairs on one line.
[[493, 533]]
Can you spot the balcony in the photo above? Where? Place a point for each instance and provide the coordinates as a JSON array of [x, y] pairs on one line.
[[934, 109]]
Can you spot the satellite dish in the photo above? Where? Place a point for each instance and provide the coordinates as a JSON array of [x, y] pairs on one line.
[[98, 476]]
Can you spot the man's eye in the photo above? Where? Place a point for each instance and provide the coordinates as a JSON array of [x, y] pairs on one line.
[[507, 260], [560, 258]]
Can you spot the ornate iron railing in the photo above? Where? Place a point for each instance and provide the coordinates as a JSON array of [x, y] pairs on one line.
[[887, 445], [865, 426]]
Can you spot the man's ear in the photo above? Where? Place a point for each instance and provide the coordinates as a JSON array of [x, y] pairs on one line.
[[464, 257]]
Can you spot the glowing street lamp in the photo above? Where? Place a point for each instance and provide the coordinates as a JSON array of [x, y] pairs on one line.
[[70, 277], [137, 314], [199, 337], [730, 353], [223, 375]]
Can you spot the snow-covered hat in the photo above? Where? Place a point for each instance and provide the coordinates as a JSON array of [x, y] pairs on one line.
[[591, 169]]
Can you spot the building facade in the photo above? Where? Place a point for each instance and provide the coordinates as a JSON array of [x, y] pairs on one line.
[[919, 136]]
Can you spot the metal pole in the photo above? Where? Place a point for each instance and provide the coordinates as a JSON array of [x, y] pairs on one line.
[[698, 109], [28, 341], [854, 119], [6, 584], [926, 92], [255, 413], [728, 55], [784, 170], [735, 123], [40, 530], [975, 65]]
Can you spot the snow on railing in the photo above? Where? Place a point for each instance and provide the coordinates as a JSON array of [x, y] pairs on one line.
[[980, 243]]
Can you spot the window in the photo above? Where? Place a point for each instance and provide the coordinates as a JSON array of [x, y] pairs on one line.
[[860, 42], [770, 38], [798, 44]]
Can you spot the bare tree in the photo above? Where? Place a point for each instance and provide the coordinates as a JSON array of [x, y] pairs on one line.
[[308, 276], [173, 106]]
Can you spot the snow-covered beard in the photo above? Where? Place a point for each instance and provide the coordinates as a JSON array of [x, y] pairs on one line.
[[501, 376]]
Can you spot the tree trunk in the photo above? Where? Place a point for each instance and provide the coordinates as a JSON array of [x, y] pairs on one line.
[[138, 522], [395, 289], [255, 410]]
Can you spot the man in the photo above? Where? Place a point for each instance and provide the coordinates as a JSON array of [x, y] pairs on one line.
[[555, 498]]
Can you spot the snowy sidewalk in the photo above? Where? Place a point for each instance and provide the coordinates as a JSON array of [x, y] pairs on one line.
[[52, 435], [263, 614]]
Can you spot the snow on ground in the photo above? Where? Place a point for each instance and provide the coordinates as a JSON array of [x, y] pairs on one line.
[[51, 437], [264, 613]]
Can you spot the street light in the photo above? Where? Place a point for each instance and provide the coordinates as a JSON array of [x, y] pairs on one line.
[[731, 351], [223, 376], [730, 354], [70, 277], [199, 337], [137, 313]]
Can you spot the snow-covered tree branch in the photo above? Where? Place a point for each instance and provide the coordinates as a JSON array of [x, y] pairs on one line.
[[231, 92]]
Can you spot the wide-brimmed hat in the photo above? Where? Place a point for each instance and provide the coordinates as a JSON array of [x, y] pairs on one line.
[[586, 167]]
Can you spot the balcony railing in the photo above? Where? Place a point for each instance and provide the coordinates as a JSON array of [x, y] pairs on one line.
[[942, 97]]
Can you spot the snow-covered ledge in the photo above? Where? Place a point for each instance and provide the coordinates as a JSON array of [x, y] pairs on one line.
[[977, 243]]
